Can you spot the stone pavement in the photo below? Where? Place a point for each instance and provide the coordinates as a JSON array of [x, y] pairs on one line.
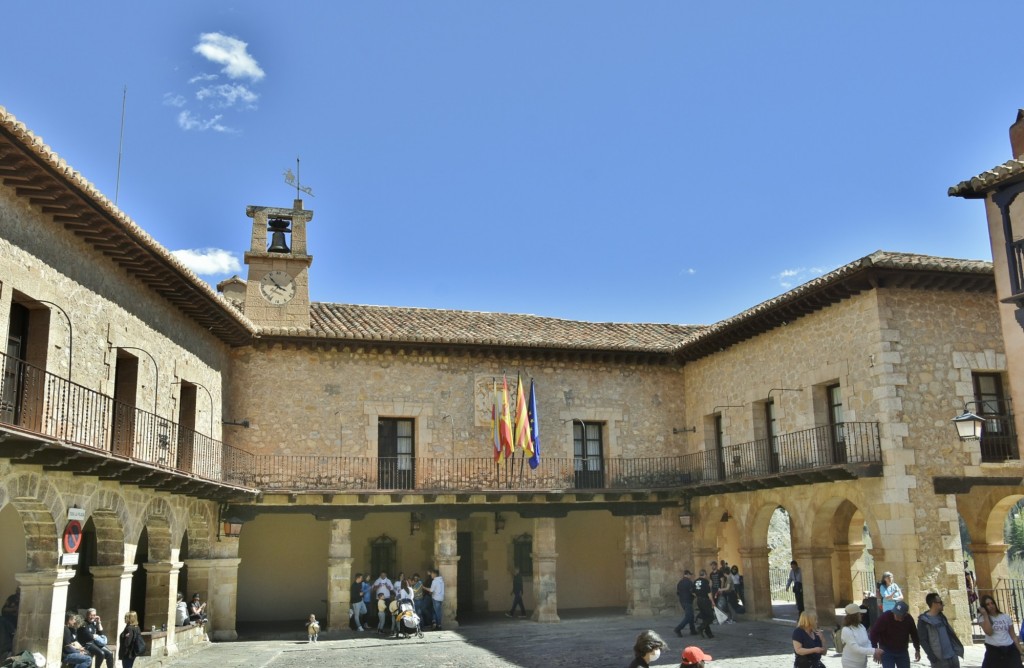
[[584, 639]]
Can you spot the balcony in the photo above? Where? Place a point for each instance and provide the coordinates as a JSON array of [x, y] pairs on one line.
[[847, 451], [48, 420]]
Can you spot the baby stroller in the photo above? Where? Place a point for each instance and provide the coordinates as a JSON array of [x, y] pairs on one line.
[[408, 620]]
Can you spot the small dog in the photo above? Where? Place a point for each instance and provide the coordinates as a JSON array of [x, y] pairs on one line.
[[312, 628]]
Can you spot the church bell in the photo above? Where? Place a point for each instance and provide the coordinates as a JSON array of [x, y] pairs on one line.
[[278, 227]]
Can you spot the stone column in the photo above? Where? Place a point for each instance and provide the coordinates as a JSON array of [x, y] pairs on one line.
[[339, 575], [757, 590], [161, 595], [112, 595], [446, 558], [816, 566], [44, 597], [223, 598], [990, 563], [545, 580], [638, 568], [845, 591]]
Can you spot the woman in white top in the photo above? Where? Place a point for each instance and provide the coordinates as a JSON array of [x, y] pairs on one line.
[[1002, 648], [857, 648]]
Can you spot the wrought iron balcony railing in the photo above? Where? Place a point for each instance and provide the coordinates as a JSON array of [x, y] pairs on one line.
[[34, 400], [40, 402], [819, 449]]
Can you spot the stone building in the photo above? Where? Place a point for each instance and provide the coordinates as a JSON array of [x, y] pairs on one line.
[[349, 438]]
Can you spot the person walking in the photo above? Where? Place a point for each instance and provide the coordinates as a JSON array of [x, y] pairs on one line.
[[724, 601], [891, 634], [684, 591], [857, 647], [739, 601], [796, 580], [517, 595], [1002, 647], [889, 593], [942, 647], [705, 608]]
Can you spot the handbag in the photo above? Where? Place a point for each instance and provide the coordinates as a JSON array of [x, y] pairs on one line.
[[99, 640]]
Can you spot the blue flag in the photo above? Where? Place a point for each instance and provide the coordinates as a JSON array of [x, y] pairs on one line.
[[534, 427]]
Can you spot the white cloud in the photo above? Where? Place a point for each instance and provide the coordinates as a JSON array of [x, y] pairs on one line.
[[174, 100], [227, 95], [789, 278], [186, 121], [203, 77], [231, 53], [208, 261]]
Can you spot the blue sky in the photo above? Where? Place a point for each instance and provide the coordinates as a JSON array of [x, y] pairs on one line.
[[608, 161]]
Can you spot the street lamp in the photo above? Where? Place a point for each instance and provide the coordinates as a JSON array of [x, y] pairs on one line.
[[968, 425]]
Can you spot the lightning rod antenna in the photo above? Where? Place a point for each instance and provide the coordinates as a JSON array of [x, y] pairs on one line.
[[120, 145]]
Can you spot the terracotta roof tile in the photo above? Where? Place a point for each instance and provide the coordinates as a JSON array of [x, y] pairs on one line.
[[421, 325], [977, 186]]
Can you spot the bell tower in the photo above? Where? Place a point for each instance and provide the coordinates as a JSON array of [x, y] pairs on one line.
[[277, 290]]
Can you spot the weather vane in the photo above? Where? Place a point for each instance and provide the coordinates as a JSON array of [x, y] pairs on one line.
[[295, 180]]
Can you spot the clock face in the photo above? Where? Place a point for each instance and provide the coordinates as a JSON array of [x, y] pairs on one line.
[[277, 287]]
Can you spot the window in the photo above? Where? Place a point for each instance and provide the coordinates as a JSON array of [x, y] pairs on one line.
[[396, 454], [588, 455], [382, 556], [998, 441], [522, 554], [834, 394]]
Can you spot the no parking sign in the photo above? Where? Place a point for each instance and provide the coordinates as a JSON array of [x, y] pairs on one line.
[[72, 536]]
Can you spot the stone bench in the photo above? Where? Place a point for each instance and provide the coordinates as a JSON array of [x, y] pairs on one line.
[[185, 637]]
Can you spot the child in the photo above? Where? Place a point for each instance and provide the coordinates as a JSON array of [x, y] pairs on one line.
[[393, 609], [694, 656], [312, 628], [382, 609]]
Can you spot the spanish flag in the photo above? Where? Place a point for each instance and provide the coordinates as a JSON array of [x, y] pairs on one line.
[[505, 423], [524, 439]]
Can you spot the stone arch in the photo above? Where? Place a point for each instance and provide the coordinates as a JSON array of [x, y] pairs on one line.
[[989, 508], [158, 517], [199, 525], [40, 506], [709, 519], [838, 530], [110, 517]]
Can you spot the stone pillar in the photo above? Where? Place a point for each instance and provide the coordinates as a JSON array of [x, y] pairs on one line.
[[446, 558], [112, 595], [845, 590], [638, 568], [545, 580], [44, 597], [161, 595], [990, 563], [816, 566], [339, 575], [757, 590], [223, 598]]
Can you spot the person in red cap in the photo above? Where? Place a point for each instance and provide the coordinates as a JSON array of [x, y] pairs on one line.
[[694, 656]]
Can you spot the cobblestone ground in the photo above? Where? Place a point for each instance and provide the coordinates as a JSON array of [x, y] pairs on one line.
[[577, 642]]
